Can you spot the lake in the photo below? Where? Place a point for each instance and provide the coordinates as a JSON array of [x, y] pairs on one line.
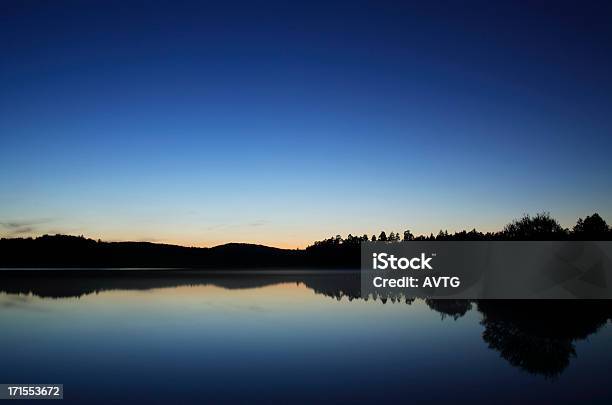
[[294, 336]]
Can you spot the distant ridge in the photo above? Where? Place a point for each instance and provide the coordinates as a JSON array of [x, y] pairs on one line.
[[77, 251]]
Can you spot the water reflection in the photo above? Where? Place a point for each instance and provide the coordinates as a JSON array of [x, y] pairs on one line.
[[539, 337], [536, 336]]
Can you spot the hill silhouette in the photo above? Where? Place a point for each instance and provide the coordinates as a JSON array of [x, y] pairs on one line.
[[76, 251]]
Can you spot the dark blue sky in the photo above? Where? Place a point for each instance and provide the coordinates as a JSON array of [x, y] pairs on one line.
[[282, 123]]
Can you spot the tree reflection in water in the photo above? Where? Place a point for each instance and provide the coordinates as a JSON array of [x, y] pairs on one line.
[[536, 336]]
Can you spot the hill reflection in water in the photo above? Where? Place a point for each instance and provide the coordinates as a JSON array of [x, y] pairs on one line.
[[538, 337]]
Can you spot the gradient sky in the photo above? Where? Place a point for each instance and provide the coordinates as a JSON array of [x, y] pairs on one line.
[[283, 123]]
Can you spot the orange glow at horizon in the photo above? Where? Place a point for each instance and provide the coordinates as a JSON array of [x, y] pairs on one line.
[[297, 239]]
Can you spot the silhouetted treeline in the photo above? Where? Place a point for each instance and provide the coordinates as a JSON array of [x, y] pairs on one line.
[[346, 251], [73, 251]]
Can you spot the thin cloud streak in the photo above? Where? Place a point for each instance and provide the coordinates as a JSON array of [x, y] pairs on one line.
[[15, 227]]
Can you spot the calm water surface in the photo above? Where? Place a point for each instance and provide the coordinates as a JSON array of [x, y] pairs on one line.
[[289, 338]]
